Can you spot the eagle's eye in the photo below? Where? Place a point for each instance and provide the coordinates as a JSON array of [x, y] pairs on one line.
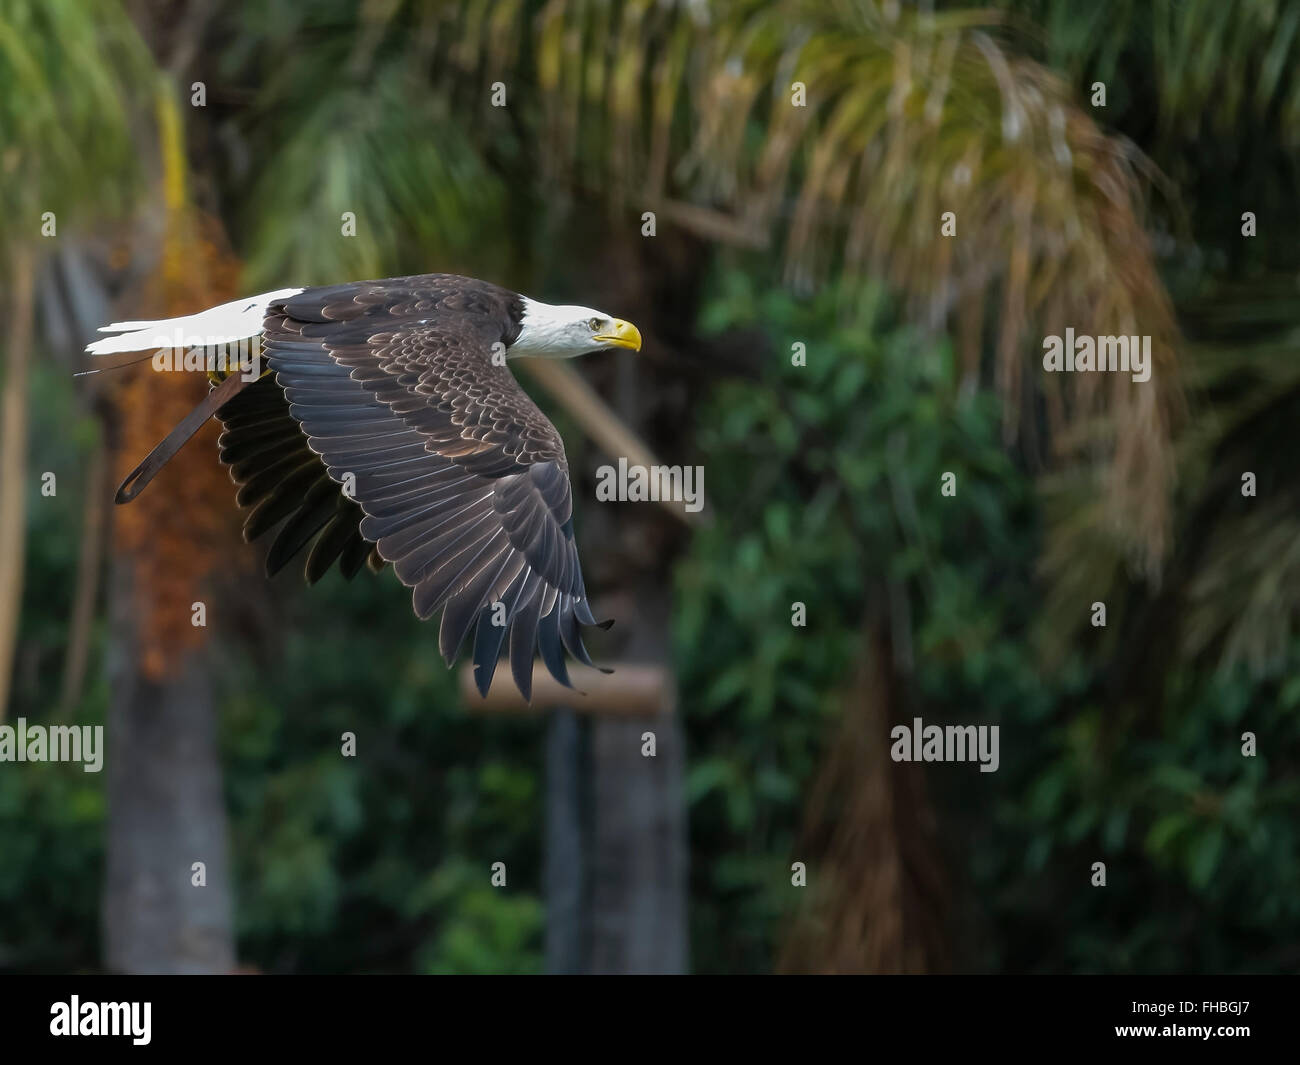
[[594, 323]]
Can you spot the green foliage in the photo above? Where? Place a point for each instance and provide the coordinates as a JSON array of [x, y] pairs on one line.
[[1195, 836], [72, 87], [825, 486], [485, 930], [380, 862], [1175, 77], [1123, 746], [382, 152], [52, 824], [52, 816]]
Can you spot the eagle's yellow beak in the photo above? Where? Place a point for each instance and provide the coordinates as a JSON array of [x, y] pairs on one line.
[[621, 335]]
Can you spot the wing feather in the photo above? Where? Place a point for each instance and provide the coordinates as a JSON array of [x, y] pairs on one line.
[[458, 479], [282, 479]]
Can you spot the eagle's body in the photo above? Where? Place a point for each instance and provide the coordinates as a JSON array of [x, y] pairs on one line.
[[388, 428]]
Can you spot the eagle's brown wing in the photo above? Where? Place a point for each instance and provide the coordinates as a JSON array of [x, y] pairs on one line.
[[279, 477], [460, 480]]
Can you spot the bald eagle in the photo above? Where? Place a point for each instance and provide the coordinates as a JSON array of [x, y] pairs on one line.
[[387, 429]]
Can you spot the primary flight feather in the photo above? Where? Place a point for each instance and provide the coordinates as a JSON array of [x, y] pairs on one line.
[[388, 429]]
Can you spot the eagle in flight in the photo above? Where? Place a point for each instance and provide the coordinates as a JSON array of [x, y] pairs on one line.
[[386, 428]]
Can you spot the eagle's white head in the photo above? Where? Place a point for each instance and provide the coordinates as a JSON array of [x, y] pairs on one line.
[[551, 332]]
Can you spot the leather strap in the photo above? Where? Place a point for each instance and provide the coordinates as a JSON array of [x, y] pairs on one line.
[[100, 363], [175, 440]]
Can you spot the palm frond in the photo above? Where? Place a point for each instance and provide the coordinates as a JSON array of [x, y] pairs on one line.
[[76, 89], [907, 118]]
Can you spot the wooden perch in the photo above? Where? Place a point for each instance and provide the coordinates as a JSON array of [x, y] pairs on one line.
[[632, 690], [599, 422], [718, 226]]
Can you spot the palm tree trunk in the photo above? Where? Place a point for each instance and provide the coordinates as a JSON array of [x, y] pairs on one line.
[[166, 810], [878, 896], [13, 462], [89, 564]]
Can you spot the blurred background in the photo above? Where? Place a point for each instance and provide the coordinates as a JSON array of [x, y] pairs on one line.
[[762, 186]]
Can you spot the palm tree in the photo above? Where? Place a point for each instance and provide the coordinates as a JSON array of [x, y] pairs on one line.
[[929, 148], [850, 139], [58, 128], [696, 112], [84, 107], [1221, 592]]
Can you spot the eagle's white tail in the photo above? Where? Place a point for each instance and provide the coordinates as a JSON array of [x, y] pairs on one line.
[[237, 320]]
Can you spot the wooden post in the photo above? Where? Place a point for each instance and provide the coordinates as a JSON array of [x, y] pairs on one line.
[[632, 690], [638, 899], [565, 865], [615, 892]]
